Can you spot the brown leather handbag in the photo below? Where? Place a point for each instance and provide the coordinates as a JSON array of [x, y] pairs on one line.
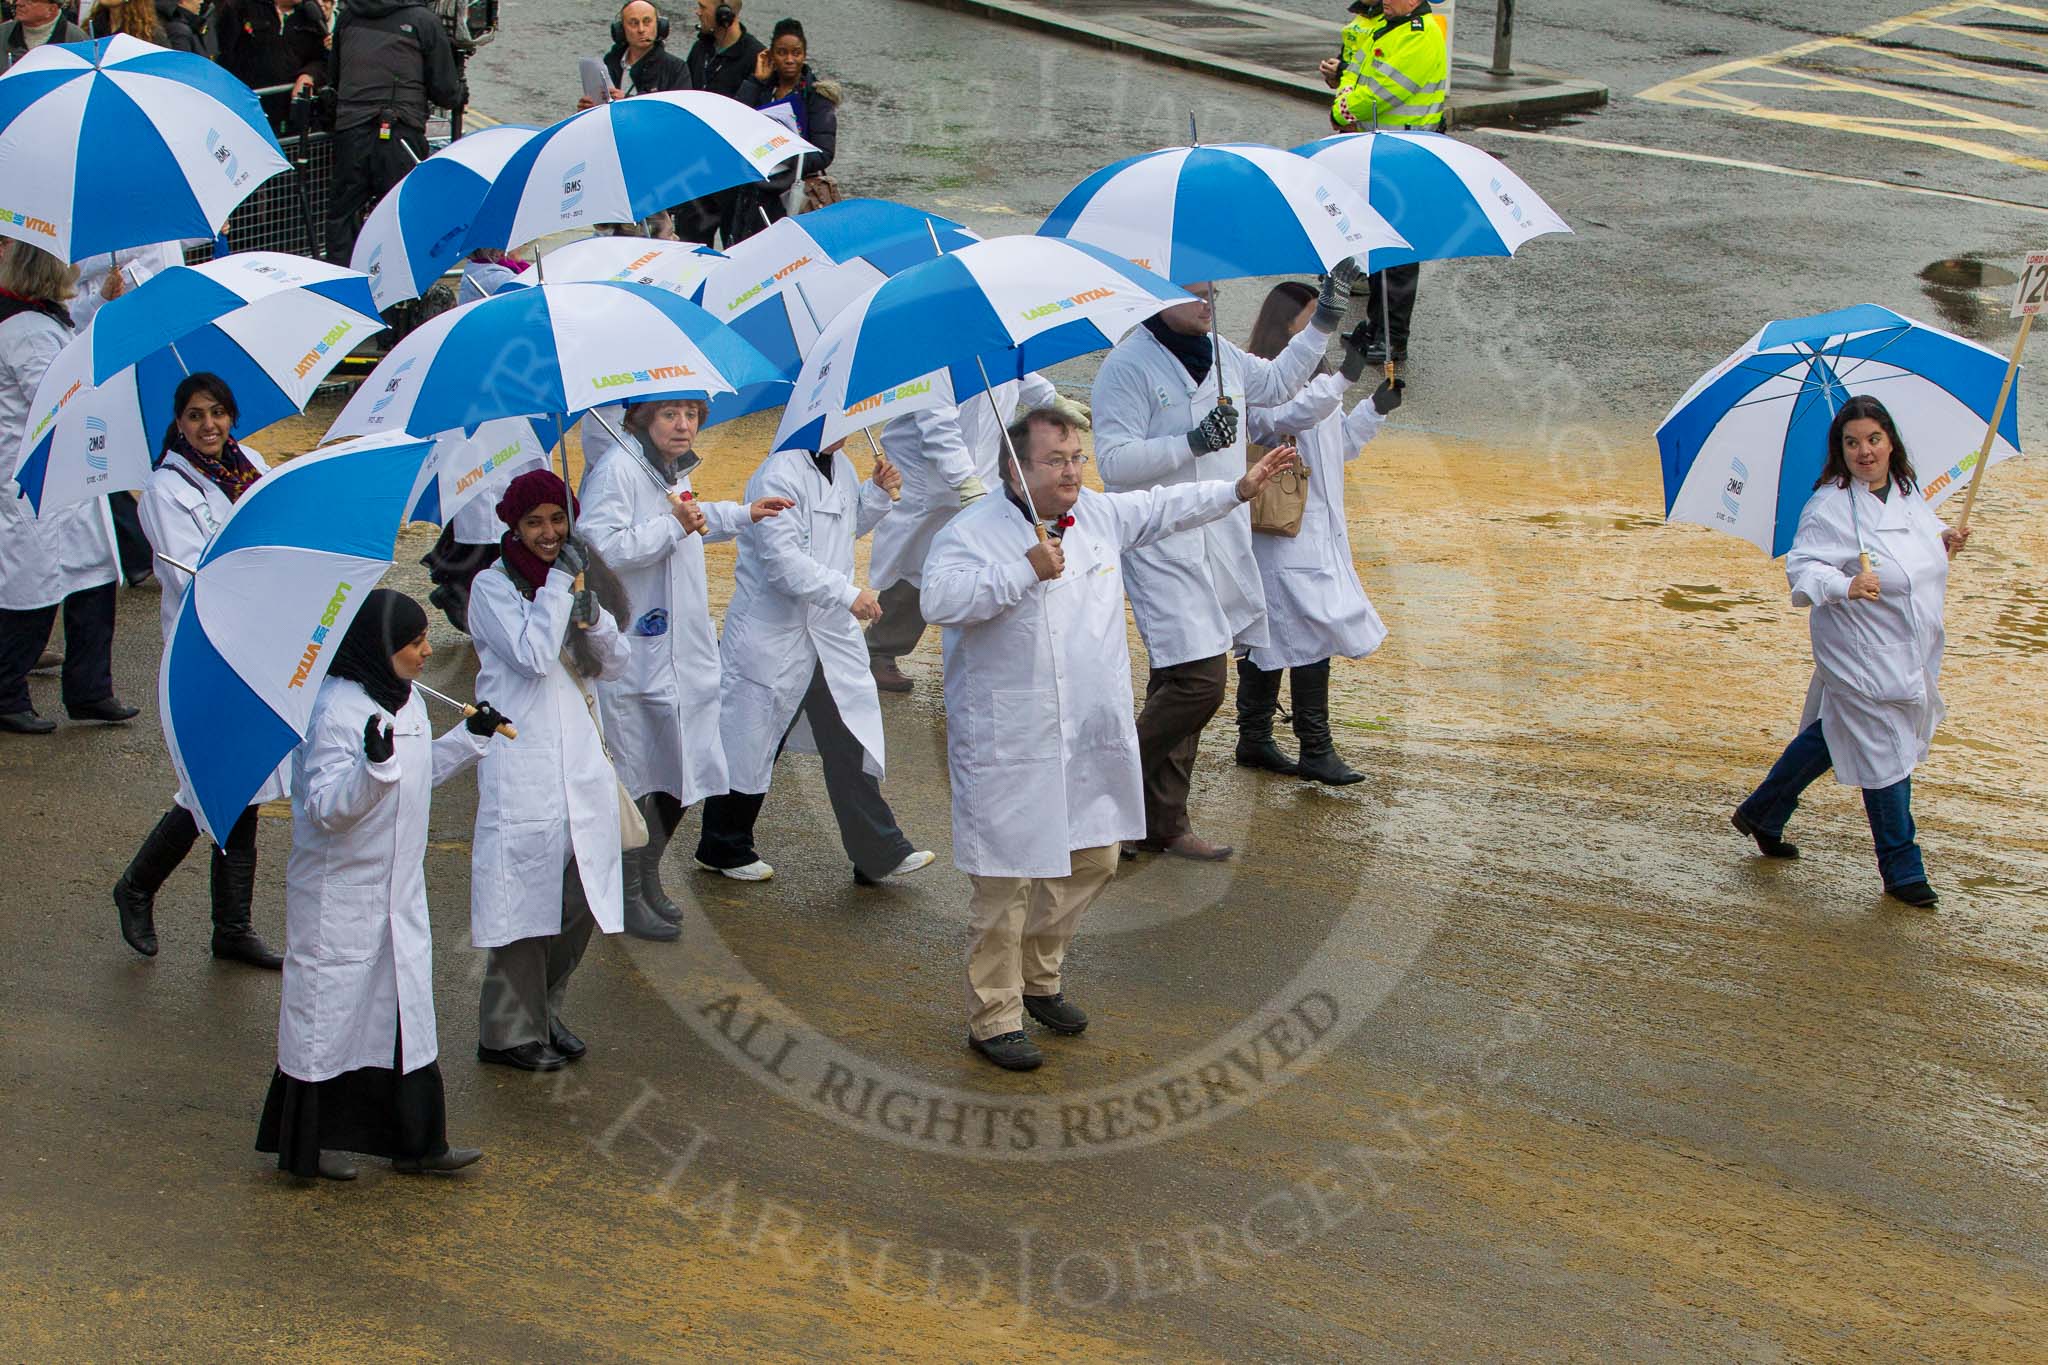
[[1278, 509]]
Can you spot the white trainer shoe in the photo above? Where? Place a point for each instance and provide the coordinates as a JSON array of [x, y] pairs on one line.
[[756, 871], [921, 859]]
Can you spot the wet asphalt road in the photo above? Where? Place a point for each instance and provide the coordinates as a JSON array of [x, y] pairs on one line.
[[1578, 1078]]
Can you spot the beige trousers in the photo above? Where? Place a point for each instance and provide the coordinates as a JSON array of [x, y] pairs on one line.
[[1021, 928]]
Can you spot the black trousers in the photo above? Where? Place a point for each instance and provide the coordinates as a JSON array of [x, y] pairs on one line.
[[1392, 292], [1179, 700], [365, 168], [88, 649], [867, 827], [902, 624], [137, 558]]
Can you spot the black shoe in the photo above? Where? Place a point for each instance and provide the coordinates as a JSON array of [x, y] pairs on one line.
[[568, 1044], [1310, 687], [1258, 701], [234, 891], [1323, 764], [525, 1057], [1917, 894], [454, 1159], [1770, 845], [137, 914], [26, 723], [1376, 353], [112, 711], [651, 890], [1057, 1013], [642, 922], [1010, 1051], [335, 1166], [135, 893]]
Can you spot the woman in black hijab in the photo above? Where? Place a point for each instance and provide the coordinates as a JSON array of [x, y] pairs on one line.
[[356, 1045]]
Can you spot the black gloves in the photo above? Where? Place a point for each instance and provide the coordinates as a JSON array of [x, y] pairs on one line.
[[1387, 396], [1218, 430], [377, 742], [573, 559], [1354, 366], [485, 722]]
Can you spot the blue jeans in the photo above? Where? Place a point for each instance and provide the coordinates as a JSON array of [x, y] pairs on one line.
[[1890, 809]]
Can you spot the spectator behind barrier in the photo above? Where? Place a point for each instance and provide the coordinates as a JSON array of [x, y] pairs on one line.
[[35, 22], [186, 26], [391, 61], [639, 61], [785, 87], [269, 43]]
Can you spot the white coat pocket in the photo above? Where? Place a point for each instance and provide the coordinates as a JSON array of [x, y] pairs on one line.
[[1024, 726], [352, 922]]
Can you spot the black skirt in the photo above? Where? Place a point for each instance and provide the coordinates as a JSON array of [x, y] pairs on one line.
[[373, 1110]]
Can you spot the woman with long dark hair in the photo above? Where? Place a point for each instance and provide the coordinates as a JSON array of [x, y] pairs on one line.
[[200, 475], [545, 862], [1871, 560], [357, 1067], [1315, 606]]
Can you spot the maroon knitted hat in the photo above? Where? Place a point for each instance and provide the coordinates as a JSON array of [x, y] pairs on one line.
[[535, 488]]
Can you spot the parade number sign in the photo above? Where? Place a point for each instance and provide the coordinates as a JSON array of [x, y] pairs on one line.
[[2033, 291]]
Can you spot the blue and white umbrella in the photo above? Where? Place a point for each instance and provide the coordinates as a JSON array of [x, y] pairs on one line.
[[951, 328], [1446, 197], [118, 143], [552, 350], [271, 324], [270, 598], [1222, 212], [1743, 448], [418, 230], [622, 161], [678, 267], [779, 287], [468, 465]]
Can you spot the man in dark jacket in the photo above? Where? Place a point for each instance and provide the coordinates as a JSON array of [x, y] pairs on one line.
[[723, 57], [268, 43], [391, 61], [35, 22], [187, 26], [640, 62]]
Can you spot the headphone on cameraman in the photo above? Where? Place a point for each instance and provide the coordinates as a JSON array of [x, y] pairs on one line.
[[660, 25], [724, 16]]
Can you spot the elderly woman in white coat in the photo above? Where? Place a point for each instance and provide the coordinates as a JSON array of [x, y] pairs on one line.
[[1168, 404], [1041, 746], [66, 559], [356, 1045], [1870, 559], [661, 713], [544, 865], [1315, 606], [795, 669], [947, 456], [200, 475]]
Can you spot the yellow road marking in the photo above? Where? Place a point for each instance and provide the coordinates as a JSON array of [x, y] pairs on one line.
[[1950, 126]]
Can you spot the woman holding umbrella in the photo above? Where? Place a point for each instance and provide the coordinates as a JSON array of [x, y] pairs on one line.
[[545, 861], [202, 472], [356, 1045], [661, 712], [66, 558], [1315, 605], [1871, 560]]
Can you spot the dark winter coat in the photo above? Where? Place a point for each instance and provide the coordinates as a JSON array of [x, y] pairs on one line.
[[820, 118], [391, 60], [659, 70], [722, 73], [260, 51]]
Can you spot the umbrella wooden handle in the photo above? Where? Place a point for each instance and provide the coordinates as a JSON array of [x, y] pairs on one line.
[[1864, 560], [1039, 527], [506, 729], [580, 625]]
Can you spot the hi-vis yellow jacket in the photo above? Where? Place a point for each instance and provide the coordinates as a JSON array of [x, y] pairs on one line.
[[1395, 72]]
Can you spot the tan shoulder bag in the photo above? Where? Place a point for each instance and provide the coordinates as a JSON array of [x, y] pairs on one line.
[[1278, 509]]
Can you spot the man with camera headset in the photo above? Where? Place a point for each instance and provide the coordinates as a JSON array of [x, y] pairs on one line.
[[390, 60], [722, 59], [640, 62]]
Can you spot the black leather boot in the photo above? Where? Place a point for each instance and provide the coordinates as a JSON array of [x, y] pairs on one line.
[[159, 856], [641, 919], [234, 891], [659, 832], [1258, 698], [1319, 761]]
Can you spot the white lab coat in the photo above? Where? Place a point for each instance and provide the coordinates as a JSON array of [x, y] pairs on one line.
[[938, 449], [359, 954], [180, 510], [551, 791], [661, 713], [1316, 608], [1877, 665], [789, 612], [43, 560], [1195, 594], [1040, 739]]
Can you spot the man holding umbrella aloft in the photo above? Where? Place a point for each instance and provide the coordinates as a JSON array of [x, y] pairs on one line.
[[1167, 407], [1048, 783]]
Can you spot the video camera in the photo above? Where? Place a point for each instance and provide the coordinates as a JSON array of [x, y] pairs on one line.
[[470, 23]]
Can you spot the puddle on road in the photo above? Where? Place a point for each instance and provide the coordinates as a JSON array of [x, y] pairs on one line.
[[1705, 597], [1967, 292], [1597, 521], [2022, 624]]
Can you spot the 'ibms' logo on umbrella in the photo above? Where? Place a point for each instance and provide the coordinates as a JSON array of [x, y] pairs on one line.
[[224, 156], [1731, 493], [572, 188], [95, 446], [375, 265], [391, 387], [318, 641]]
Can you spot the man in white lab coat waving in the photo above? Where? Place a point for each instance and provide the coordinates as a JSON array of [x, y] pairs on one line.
[[1040, 743], [1167, 406]]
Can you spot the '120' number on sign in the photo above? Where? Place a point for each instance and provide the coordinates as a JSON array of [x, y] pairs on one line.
[[2033, 293]]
